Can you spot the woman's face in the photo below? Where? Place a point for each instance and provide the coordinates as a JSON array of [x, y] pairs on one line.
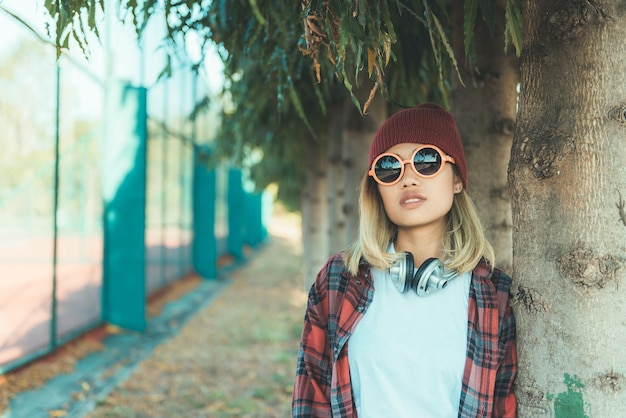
[[419, 203]]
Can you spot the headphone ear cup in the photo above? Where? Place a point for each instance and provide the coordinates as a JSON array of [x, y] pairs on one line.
[[430, 277], [410, 267], [402, 272]]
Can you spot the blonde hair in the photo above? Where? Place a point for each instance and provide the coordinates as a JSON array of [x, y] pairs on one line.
[[463, 242]]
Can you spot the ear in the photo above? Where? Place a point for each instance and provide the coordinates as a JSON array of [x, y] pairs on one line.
[[458, 185]]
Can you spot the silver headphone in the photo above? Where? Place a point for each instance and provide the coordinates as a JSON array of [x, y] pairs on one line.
[[429, 277]]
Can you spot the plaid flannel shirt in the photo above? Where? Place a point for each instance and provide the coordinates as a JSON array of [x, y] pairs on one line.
[[337, 301]]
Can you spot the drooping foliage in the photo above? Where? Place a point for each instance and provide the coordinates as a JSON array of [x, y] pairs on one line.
[[403, 45], [277, 106], [72, 20], [286, 62]]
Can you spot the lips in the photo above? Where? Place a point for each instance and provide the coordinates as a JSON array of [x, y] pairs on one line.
[[411, 200]]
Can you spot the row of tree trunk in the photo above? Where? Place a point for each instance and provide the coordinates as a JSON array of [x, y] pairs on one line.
[[334, 171]]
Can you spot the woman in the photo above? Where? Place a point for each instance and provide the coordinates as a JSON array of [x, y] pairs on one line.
[[412, 320]]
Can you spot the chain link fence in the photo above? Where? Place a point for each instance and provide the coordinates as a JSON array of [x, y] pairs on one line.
[[54, 246]]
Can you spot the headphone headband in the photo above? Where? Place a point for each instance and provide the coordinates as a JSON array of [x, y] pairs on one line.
[[430, 277]]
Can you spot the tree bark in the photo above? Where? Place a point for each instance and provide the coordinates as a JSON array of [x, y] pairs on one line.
[[357, 138], [314, 209], [485, 113], [336, 186], [568, 183]]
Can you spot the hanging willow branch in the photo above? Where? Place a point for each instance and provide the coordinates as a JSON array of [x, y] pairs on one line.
[[359, 35], [316, 37]]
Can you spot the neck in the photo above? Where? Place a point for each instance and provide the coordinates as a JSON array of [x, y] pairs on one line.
[[422, 243]]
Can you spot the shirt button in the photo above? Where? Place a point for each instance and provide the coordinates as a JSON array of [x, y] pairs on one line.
[[360, 309]]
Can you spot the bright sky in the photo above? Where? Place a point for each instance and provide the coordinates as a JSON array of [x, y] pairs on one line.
[[12, 30]]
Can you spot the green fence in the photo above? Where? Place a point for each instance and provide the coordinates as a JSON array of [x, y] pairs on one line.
[[106, 196]]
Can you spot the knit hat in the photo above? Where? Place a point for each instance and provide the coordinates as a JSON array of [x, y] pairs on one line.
[[428, 124]]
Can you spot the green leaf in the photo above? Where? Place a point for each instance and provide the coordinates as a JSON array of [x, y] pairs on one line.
[[361, 18], [514, 26], [257, 12], [389, 25], [434, 45], [488, 10], [433, 21], [348, 86], [293, 95], [91, 20], [470, 10]]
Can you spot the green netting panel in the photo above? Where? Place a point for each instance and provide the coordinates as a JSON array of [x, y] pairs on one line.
[[221, 208], [254, 228], [124, 195], [237, 212], [27, 184], [156, 208], [169, 188], [185, 251], [204, 192], [79, 213]]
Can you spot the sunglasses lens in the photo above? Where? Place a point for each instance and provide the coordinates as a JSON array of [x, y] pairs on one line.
[[427, 161], [388, 169]]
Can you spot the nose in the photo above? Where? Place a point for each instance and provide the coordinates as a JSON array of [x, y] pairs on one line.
[[409, 177]]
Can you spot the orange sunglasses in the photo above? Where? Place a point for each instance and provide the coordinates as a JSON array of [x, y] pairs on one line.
[[426, 161]]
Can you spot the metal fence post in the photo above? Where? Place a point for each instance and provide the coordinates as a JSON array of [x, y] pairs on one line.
[[55, 210]]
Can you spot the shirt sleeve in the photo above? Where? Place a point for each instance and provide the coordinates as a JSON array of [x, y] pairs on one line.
[[311, 392], [505, 402]]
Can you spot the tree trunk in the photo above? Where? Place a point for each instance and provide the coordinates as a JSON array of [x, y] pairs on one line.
[[357, 138], [568, 185], [336, 186], [314, 213], [485, 113]]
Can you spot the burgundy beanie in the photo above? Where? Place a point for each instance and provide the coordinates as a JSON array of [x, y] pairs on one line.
[[427, 124]]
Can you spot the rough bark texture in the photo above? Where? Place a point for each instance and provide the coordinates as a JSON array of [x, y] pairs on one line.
[[330, 201], [568, 180], [357, 138], [314, 210], [485, 112], [336, 186]]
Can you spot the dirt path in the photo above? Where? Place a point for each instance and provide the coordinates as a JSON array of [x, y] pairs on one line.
[[236, 357]]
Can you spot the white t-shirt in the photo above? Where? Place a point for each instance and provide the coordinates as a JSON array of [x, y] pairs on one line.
[[407, 354]]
